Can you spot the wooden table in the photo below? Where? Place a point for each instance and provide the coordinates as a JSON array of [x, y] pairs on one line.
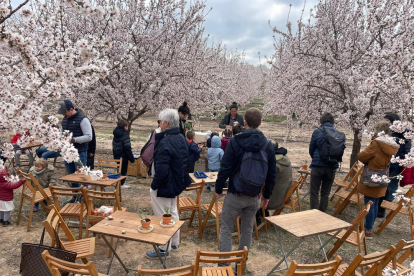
[[211, 178], [159, 236], [81, 178], [32, 145], [305, 224]]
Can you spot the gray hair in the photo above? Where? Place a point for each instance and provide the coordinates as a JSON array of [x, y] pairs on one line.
[[170, 116]]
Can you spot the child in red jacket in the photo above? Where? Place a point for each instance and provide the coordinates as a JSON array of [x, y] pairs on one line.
[[6, 197], [19, 152], [227, 134]]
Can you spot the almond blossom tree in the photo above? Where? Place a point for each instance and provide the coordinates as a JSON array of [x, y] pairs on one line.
[[169, 61], [330, 63], [41, 62]]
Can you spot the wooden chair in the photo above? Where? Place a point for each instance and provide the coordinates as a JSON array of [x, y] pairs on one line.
[[238, 257], [187, 270], [407, 249], [347, 181], [397, 208], [374, 263], [289, 194], [75, 211], [54, 264], [349, 193], [34, 193], [353, 235], [187, 204], [23, 162], [328, 268], [347, 196], [84, 248], [215, 209], [111, 163], [291, 203]]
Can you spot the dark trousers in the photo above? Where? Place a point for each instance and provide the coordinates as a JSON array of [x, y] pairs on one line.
[[321, 182], [90, 162], [190, 167], [124, 168], [391, 189]]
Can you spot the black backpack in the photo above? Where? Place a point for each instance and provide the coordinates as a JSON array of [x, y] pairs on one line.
[[333, 146]]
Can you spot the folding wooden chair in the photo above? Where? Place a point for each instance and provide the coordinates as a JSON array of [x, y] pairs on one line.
[[238, 257], [347, 181], [56, 265], [347, 196], [187, 270], [328, 268], [353, 235], [23, 162], [289, 194], [291, 203], [84, 248], [374, 263], [215, 209], [407, 249], [397, 208], [345, 187], [75, 211], [115, 164], [187, 204], [34, 193]]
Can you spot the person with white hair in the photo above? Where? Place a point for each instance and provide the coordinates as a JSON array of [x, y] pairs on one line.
[[171, 176]]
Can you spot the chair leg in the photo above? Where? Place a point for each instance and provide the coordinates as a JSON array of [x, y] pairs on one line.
[[238, 229], [20, 209], [200, 228], [191, 218], [80, 227], [255, 230], [218, 231], [84, 260], [30, 216], [365, 246]]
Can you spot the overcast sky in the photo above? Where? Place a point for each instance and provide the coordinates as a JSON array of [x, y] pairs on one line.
[[243, 24]]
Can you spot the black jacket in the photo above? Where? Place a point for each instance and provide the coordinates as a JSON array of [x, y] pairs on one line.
[[315, 146], [170, 160], [226, 120], [249, 140], [92, 144], [121, 145]]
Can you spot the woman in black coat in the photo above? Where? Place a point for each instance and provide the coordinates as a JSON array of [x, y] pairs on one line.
[[121, 147], [232, 119]]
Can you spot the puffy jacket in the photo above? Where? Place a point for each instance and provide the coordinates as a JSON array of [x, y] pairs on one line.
[[226, 120], [193, 152], [283, 180], [377, 156], [249, 140], [17, 136], [45, 176], [315, 146], [73, 124], [6, 187], [215, 154], [121, 145], [403, 150], [170, 163], [224, 142]]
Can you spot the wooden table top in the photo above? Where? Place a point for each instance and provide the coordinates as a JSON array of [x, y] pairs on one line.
[[211, 177], [81, 178], [159, 236], [31, 145], [308, 223]]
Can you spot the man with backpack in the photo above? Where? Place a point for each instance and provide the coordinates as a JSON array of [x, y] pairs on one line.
[[326, 149], [249, 163]]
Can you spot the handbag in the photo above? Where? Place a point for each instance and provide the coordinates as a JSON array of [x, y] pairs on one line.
[[32, 263], [147, 152], [368, 173]]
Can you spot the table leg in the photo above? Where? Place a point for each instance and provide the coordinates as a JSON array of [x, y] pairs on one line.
[[284, 254], [159, 255], [115, 254], [112, 258], [325, 244], [323, 248]]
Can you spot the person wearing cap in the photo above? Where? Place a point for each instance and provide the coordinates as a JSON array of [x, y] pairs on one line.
[[80, 127], [232, 119]]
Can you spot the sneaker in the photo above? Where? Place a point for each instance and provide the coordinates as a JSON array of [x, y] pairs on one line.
[[153, 254], [175, 248], [36, 207], [369, 235], [125, 186], [6, 223], [208, 189]]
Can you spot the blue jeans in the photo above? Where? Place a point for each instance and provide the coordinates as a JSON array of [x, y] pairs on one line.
[[45, 154], [73, 166], [373, 211], [393, 185]]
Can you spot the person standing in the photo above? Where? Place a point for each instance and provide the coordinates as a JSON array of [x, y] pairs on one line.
[[250, 149], [121, 148], [171, 176], [323, 171], [80, 127], [377, 156], [91, 151], [183, 112], [232, 119]]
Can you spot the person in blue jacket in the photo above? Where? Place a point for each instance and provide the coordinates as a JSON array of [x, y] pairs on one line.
[[394, 169], [214, 156], [171, 176], [193, 151], [322, 175]]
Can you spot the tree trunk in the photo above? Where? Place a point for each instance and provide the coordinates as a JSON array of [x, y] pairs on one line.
[[356, 147], [129, 127]]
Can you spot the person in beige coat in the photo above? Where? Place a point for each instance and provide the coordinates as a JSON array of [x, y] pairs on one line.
[[376, 156], [45, 175]]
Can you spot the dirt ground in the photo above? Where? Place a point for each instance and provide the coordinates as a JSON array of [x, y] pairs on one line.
[[264, 253]]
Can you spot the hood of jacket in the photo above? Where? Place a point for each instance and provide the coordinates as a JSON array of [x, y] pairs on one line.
[[119, 132], [215, 142], [49, 168], [282, 160], [251, 140], [386, 144]]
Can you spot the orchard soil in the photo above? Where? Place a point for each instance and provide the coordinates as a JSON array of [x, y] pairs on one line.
[[264, 253]]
